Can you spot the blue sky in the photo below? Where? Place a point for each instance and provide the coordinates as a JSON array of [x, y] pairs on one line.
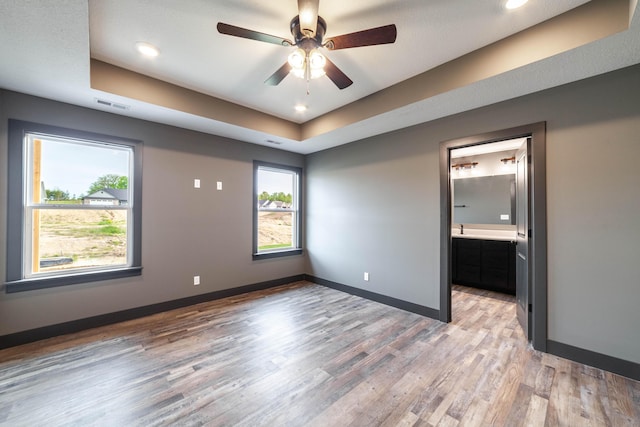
[[74, 167]]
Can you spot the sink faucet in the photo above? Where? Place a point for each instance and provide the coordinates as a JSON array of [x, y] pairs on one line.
[[461, 229]]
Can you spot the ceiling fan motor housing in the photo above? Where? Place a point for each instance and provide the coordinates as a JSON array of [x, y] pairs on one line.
[[303, 41]]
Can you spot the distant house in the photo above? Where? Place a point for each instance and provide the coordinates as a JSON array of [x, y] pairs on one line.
[[107, 197], [276, 204]]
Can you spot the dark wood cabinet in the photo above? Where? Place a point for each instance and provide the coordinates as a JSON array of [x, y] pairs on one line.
[[487, 264], [469, 260]]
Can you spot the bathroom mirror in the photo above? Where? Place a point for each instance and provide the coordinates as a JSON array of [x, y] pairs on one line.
[[484, 200]]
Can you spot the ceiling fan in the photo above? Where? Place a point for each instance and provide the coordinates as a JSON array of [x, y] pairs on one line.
[[308, 30]]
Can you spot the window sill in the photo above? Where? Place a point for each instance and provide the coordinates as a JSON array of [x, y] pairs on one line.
[[24, 285], [277, 254]]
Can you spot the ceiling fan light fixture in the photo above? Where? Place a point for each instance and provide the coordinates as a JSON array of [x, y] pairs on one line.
[[307, 65], [317, 73], [298, 72], [297, 59], [317, 60]]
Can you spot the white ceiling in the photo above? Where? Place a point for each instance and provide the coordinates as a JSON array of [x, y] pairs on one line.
[[46, 47]]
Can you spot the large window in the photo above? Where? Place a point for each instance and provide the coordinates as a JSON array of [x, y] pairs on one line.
[[276, 210], [74, 207]]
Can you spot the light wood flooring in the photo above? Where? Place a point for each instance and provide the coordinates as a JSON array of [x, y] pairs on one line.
[[306, 355]]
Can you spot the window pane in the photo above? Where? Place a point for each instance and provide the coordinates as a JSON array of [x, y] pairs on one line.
[[63, 170], [79, 238], [277, 207], [277, 187], [275, 230], [82, 174]]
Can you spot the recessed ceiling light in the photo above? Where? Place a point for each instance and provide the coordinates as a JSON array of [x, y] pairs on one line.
[[147, 49], [300, 108], [514, 4]]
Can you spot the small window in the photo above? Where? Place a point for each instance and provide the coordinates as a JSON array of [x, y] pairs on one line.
[[74, 208], [276, 211]]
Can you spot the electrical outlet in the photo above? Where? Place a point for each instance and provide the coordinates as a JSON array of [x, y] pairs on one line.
[[196, 280], [219, 185], [366, 276], [196, 183]]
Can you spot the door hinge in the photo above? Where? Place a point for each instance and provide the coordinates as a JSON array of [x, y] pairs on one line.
[[530, 308], [530, 233]]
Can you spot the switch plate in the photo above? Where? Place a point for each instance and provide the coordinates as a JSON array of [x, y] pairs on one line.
[[366, 276], [196, 183], [219, 185], [196, 280]]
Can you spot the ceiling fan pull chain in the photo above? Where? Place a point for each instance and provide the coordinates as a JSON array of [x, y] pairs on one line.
[[307, 71]]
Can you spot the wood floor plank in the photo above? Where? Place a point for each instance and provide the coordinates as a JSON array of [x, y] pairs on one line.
[[476, 412], [621, 397], [303, 354], [537, 411]]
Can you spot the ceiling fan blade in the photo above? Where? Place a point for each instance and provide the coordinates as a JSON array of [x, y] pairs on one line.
[[232, 30], [373, 36], [308, 16], [334, 73], [279, 75]]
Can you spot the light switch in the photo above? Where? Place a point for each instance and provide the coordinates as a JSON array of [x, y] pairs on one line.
[[219, 185], [504, 217], [196, 183]]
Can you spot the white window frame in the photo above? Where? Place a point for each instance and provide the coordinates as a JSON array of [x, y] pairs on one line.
[[20, 274], [295, 209]]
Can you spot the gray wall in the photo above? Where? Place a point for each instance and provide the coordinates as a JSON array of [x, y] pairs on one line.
[[374, 206], [186, 232]]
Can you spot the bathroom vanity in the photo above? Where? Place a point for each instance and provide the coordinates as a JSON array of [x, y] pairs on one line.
[[484, 261]]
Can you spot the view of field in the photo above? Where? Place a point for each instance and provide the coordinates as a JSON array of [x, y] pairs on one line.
[[274, 230], [93, 238], [90, 238]]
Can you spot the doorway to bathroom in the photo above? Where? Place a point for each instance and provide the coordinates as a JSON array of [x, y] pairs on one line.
[[493, 222]]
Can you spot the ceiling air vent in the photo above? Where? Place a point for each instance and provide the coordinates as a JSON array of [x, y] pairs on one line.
[[117, 106], [271, 141]]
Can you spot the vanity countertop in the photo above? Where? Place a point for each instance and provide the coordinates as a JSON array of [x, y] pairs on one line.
[[472, 233]]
